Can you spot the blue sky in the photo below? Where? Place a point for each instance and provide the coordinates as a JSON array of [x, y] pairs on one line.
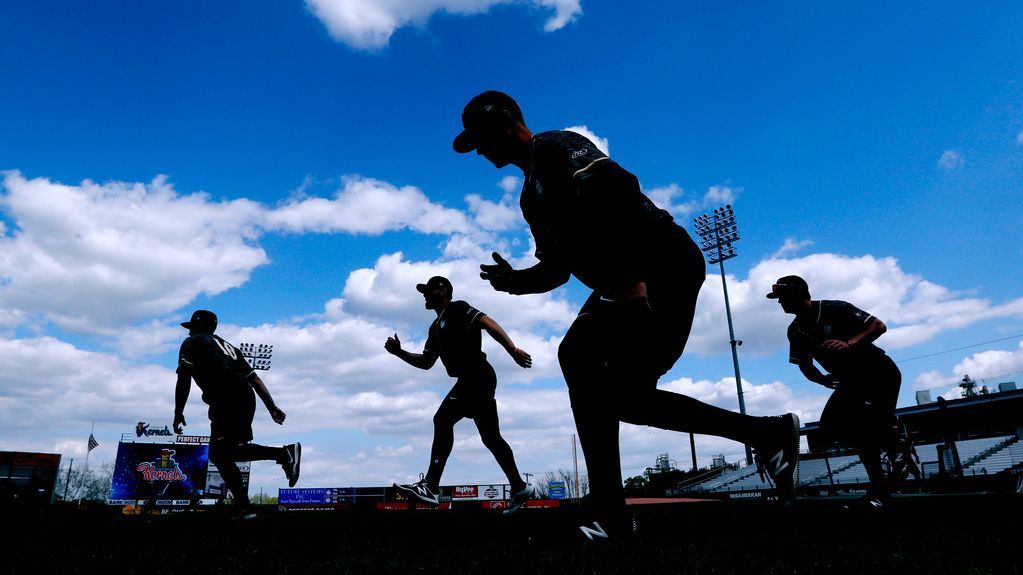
[[269, 160]]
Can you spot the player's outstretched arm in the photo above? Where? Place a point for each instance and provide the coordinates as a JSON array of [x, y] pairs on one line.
[[541, 278], [811, 372], [264, 394], [184, 385], [494, 329], [420, 360]]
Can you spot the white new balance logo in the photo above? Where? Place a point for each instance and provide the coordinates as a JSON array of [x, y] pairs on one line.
[[777, 462], [596, 532]]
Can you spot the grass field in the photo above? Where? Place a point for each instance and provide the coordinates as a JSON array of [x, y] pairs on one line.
[[949, 534]]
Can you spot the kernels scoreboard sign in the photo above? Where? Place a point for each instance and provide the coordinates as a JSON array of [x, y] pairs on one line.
[[169, 473]]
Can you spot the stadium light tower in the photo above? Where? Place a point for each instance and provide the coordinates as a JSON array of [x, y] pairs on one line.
[[257, 354], [717, 232]]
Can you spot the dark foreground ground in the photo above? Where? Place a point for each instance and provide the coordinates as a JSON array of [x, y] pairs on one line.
[[948, 534]]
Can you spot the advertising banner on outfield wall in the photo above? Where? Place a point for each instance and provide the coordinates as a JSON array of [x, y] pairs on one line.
[[477, 492], [162, 471], [315, 496]]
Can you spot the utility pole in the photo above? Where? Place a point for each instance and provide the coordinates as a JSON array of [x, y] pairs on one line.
[[575, 464], [692, 448], [67, 480], [717, 232]]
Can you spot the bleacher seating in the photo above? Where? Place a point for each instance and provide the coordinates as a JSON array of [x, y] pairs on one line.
[[724, 478], [1004, 458], [1006, 451], [971, 448]]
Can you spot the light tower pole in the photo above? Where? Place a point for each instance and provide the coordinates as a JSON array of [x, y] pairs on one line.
[[717, 232], [258, 356]]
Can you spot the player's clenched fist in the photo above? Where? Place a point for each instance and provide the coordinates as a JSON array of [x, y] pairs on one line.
[[393, 344]]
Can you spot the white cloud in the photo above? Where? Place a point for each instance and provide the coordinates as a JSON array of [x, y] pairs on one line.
[[791, 246], [951, 160], [914, 309], [510, 184], [1019, 138], [601, 143], [488, 215], [369, 24], [987, 368], [671, 198], [94, 256], [367, 206]]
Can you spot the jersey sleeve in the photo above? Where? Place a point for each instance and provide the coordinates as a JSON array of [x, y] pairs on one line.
[[186, 357], [431, 349], [241, 365], [849, 319], [472, 316], [799, 345]]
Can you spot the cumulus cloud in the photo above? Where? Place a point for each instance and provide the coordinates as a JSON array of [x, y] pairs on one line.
[[499, 216], [914, 309], [951, 160], [94, 256], [673, 199], [790, 247], [369, 24], [601, 143], [986, 367], [367, 206]]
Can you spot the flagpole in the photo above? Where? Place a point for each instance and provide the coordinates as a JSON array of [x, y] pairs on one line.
[[85, 471]]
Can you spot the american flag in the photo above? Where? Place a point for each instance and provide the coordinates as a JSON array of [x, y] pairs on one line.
[[93, 444]]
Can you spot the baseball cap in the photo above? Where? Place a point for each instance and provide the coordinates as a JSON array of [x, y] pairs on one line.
[[789, 285], [480, 113], [434, 282], [202, 320]]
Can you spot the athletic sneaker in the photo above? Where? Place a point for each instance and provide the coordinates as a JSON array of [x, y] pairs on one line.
[[778, 456], [420, 490], [519, 498], [292, 466]]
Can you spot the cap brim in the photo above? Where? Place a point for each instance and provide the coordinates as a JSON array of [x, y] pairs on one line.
[[421, 288], [464, 142], [186, 325], [773, 295]]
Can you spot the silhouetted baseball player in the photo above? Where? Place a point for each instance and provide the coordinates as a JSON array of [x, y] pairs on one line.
[[455, 338], [861, 411], [590, 219], [227, 382]]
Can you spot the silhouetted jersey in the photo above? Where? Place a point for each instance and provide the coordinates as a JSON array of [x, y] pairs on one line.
[[833, 319], [218, 368], [589, 216], [456, 339]]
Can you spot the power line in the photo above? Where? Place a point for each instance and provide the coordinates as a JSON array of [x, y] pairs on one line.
[[1017, 336], [983, 343]]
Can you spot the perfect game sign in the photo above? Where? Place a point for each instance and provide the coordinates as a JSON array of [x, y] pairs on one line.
[[170, 473]]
